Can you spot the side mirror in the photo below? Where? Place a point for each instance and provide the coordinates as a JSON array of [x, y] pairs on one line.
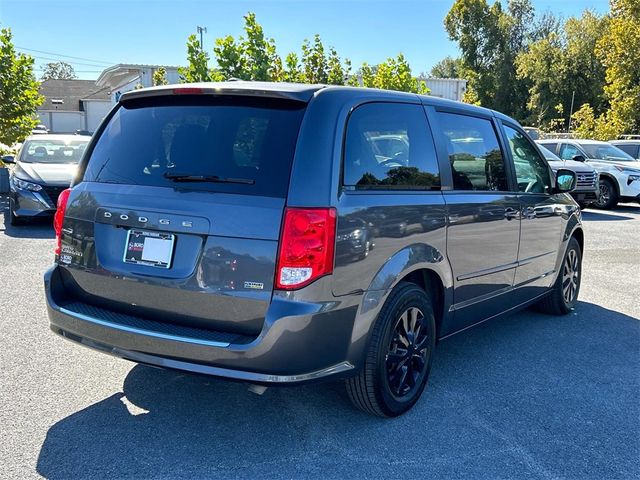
[[579, 158], [8, 159], [565, 180]]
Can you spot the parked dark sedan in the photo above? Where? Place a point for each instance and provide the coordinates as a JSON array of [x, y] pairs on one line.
[[44, 167]]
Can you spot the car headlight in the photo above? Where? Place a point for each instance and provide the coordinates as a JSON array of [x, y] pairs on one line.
[[356, 234], [633, 178], [631, 171], [24, 185]]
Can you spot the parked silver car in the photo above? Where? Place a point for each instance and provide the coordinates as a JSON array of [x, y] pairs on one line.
[[619, 171], [587, 188], [44, 167]]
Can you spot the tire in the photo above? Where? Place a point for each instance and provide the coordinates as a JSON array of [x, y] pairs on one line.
[[608, 195], [399, 355], [557, 303]]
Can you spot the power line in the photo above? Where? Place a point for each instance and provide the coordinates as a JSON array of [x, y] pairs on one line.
[[66, 56], [69, 61]]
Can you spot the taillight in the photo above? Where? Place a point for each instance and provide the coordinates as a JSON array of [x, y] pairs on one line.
[[187, 91], [307, 245], [58, 218]]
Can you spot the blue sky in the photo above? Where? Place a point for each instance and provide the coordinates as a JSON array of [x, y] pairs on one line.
[[154, 32]]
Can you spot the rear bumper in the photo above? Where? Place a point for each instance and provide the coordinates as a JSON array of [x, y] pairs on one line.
[[300, 342]]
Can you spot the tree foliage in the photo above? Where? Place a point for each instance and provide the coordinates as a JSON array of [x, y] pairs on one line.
[[393, 74], [448, 67], [603, 66], [563, 65], [160, 77], [619, 51], [19, 95], [58, 71], [197, 69], [253, 56], [532, 67], [490, 38]]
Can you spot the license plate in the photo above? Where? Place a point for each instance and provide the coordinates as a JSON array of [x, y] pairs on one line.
[[153, 249]]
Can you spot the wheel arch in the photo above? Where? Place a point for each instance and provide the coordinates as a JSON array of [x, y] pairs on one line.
[[421, 264], [578, 234], [613, 180], [432, 284]]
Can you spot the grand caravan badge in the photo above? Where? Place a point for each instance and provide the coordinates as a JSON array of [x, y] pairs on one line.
[[254, 285]]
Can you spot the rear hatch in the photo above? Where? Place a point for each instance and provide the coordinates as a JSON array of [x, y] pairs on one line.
[[179, 210]]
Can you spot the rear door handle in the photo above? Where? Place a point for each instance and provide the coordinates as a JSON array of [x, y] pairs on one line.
[[510, 213]]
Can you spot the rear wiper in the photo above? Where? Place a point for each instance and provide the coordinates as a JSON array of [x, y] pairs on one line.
[[180, 177]]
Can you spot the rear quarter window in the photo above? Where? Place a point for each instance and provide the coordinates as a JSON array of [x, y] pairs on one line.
[[389, 146], [232, 138]]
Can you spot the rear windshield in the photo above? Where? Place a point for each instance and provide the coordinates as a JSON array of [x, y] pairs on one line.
[[224, 144]]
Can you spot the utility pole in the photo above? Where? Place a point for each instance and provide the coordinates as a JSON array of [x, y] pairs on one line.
[[573, 96], [201, 30]]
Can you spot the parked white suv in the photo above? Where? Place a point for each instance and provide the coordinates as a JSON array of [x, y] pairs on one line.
[[619, 171]]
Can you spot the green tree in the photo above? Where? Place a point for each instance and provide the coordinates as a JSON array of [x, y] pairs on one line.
[[448, 67], [230, 58], [602, 127], [490, 39], [258, 51], [251, 57], [160, 76], [543, 65], [255, 57], [292, 71], [337, 74], [58, 71], [314, 61], [19, 95], [393, 74], [564, 65], [198, 63], [619, 51]]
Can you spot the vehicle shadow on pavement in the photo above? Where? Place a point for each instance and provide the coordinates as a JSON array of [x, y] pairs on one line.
[[525, 396], [600, 216], [35, 228]]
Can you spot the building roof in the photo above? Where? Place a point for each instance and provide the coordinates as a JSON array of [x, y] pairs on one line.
[[65, 95], [123, 73]]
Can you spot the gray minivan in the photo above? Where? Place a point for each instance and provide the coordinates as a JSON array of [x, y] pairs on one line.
[[284, 233]]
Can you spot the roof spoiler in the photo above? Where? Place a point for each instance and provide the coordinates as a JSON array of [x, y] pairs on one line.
[[299, 93]]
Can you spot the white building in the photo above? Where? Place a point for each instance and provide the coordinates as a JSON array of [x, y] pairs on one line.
[[72, 105], [449, 88], [124, 77]]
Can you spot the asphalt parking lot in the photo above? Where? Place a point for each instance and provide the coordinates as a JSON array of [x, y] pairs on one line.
[[529, 396]]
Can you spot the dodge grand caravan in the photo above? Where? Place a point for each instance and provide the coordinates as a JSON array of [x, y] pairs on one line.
[[282, 233]]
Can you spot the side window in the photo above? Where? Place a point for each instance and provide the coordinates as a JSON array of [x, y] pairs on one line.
[[389, 145], [532, 172], [551, 146], [567, 152], [629, 148], [474, 153]]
